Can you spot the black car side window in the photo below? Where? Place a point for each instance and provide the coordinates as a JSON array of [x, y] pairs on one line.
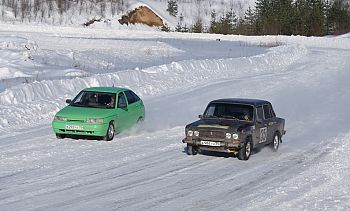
[[267, 112], [272, 111], [259, 113]]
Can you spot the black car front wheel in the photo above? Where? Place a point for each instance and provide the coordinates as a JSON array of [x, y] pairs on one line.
[[246, 150], [191, 150]]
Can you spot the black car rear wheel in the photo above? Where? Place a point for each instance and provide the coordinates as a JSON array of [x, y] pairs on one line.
[[275, 142], [246, 150], [191, 150]]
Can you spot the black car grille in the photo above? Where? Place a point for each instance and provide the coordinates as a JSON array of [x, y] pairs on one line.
[[209, 134]]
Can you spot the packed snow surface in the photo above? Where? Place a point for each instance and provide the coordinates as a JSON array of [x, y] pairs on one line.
[[146, 168]]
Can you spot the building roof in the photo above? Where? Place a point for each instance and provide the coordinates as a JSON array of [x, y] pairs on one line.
[[254, 102], [106, 89]]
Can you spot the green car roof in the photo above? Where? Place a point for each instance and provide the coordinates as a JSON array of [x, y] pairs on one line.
[[106, 89]]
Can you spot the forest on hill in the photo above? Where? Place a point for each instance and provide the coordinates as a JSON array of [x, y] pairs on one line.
[[264, 17]]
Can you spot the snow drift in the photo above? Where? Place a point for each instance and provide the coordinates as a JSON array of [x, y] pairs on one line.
[[44, 98]]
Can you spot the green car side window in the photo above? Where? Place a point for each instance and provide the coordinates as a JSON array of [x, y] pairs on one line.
[[121, 101], [129, 97]]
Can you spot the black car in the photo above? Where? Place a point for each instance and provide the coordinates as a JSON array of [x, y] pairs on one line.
[[235, 126]]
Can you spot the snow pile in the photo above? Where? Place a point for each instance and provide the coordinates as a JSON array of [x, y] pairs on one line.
[[14, 51], [146, 81], [6, 73], [344, 35], [46, 97], [16, 43]]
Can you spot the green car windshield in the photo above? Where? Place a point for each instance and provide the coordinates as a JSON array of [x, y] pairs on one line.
[[94, 100], [229, 111]]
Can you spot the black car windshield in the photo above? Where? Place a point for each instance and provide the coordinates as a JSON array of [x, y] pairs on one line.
[[229, 111], [94, 100]]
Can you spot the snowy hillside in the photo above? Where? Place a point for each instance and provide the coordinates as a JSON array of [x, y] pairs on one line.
[[146, 168], [79, 12]]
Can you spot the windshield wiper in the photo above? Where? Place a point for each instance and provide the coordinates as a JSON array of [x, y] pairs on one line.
[[228, 116], [210, 116]]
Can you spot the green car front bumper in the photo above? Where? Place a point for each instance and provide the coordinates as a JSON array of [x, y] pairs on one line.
[[73, 128]]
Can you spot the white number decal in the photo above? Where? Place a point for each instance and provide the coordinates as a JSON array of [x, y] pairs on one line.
[[263, 134]]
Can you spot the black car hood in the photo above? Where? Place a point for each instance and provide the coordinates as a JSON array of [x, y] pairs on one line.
[[225, 124]]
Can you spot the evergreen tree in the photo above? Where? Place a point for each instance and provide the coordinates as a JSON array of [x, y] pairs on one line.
[[165, 28], [262, 12], [172, 7], [197, 27], [225, 25], [328, 21], [339, 16]]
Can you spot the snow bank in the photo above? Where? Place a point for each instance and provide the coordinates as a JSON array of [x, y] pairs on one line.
[[16, 43], [6, 73], [42, 99]]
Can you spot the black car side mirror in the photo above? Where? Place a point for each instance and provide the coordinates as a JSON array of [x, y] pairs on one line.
[[68, 101], [200, 116]]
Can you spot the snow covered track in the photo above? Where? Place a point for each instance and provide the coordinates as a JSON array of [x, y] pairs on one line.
[[146, 168]]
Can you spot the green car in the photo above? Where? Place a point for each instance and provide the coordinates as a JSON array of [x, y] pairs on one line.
[[100, 112]]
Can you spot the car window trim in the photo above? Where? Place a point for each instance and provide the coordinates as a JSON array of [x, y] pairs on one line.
[[126, 100]]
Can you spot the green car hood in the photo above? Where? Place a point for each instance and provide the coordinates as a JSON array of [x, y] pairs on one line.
[[82, 113]]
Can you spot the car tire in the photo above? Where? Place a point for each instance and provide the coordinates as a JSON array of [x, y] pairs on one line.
[[140, 120], [110, 132], [191, 150], [275, 142], [60, 136], [246, 150]]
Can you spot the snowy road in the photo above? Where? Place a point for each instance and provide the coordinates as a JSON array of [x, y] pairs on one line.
[[147, 169]]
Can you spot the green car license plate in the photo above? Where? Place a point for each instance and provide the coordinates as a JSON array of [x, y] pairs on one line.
[[74, 127]]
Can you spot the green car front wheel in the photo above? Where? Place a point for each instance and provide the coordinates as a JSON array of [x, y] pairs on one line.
[[110, 132]]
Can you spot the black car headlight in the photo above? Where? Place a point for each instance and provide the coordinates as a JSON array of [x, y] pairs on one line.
[[190, 133]]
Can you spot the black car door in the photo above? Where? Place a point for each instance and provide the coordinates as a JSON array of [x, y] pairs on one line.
[[270, 121], [260, 132]]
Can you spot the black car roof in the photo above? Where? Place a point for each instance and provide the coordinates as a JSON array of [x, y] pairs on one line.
[[254, 102]]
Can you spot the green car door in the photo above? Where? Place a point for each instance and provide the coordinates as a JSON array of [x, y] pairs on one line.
[[135, 106], [123, 120]]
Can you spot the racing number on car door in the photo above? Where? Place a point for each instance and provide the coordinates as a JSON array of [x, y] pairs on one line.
[[263, 134]]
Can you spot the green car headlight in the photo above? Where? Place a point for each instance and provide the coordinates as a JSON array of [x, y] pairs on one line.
[[95, 120], [60, 118]]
